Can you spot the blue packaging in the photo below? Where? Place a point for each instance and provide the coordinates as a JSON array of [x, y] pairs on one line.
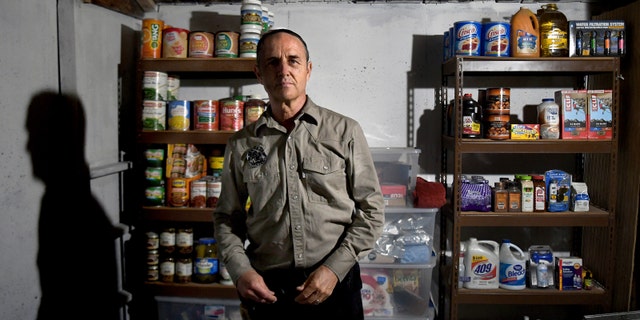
[[558, 185], [495, 39], [467, 36]]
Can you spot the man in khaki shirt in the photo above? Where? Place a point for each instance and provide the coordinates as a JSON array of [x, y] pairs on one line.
[[315, 200]]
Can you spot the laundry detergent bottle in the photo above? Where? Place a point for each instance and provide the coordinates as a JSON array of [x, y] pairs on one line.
[[481, 264], [513, 269]]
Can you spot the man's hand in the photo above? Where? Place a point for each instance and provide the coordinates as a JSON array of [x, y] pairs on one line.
[[318, 286], [251, 286]]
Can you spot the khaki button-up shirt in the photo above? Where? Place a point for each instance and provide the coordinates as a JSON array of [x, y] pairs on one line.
[[314, 195]]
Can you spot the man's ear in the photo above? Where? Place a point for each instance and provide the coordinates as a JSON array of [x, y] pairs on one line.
[[256, 71]]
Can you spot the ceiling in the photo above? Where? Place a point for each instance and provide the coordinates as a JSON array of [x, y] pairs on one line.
[[137, 8]]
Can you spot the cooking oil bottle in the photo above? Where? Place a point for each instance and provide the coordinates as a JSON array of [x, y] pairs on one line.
[[554, 32]]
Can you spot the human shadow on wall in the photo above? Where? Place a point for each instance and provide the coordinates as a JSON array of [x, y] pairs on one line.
[[426, 74], [76, 240]]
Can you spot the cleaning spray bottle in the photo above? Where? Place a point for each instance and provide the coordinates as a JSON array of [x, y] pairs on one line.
[[513, 269], [481, 263]]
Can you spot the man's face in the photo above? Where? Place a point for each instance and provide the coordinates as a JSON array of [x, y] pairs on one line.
[[283, 69]]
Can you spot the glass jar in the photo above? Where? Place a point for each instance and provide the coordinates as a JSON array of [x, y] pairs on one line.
[[168, 241], [184, 240], [206, 264]]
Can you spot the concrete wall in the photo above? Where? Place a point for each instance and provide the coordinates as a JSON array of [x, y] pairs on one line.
[[379, 63]]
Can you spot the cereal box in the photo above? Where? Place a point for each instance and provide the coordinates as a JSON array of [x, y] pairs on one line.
[[600, 115], [574, 114]]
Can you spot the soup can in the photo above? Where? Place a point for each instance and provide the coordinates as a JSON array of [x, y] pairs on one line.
[[495, 39], [201, 44], [175, 43], [467, 36], [226, 44], [179, 115], [205, 115], [173, 87]]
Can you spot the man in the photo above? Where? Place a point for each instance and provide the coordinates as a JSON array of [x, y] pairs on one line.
[[315, 200]]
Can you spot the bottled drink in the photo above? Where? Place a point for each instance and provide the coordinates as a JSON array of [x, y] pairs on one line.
[[471, 117], [554, 35]]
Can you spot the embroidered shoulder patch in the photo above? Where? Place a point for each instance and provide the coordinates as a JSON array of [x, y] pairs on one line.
[[256, 156]]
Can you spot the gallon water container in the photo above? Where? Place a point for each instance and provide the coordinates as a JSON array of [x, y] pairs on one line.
[[513, 269], [481, 263]]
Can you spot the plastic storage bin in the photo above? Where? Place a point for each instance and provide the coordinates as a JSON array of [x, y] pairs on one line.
[[170, 308], [397, 170]]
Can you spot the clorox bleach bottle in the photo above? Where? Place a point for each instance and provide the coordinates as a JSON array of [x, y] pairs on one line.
[[513, 269], [481, 263]]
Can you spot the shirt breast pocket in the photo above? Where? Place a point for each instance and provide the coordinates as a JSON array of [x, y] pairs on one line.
[[325, 179]]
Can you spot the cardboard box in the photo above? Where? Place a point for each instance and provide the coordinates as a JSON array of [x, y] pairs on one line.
[[574, 114], [569, 273], [600, 114], [590, 38], [523, 131], [395, 195]]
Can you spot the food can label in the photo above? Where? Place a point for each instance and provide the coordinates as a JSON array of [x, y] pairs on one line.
[[495, 39], [154, 196], [175, 43], [226, 44], [213, 193], [154, 85], [173, 87], [467, 38], [231, 115], [198, 194], [178, 115], [178, 192], [151, 42], [201, 44], [154, 115], [206, 115]]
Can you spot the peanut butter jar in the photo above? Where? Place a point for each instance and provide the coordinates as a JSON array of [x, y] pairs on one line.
[[497, 101]]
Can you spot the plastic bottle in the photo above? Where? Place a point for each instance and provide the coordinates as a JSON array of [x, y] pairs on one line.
[[539, 194], [549, 119], [500, 198], [526, 186], [525, 34], [554, 32], [481, 263], [515, 197], [461, 269], [513, 269], [471, 117], [542, 273]]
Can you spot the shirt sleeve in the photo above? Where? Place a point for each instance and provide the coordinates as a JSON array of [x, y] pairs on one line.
[[368, 215]]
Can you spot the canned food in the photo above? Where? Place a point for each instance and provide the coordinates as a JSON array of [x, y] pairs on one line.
[[205, 115], [496, 39], [154, 115], [467, 38], [178, 115], [173, 87], [201, 44], [231, 114], [154, 196], [498, 101], [198, 194], [226, 44], [175, 43], [178, 192], [253, 109], [154, 176], [154, 85], [498, 126]]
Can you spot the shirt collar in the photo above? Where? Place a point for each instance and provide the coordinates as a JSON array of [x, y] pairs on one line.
[[309, 117]]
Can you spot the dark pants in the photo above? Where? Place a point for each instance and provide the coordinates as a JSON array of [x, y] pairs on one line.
[[345, 303]]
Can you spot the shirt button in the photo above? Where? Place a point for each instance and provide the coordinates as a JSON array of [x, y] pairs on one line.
[[325, 167], [297, 227], [295, 197], [299, 255], [292, 167]]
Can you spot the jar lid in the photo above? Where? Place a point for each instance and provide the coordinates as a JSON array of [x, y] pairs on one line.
[[207, 241]]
